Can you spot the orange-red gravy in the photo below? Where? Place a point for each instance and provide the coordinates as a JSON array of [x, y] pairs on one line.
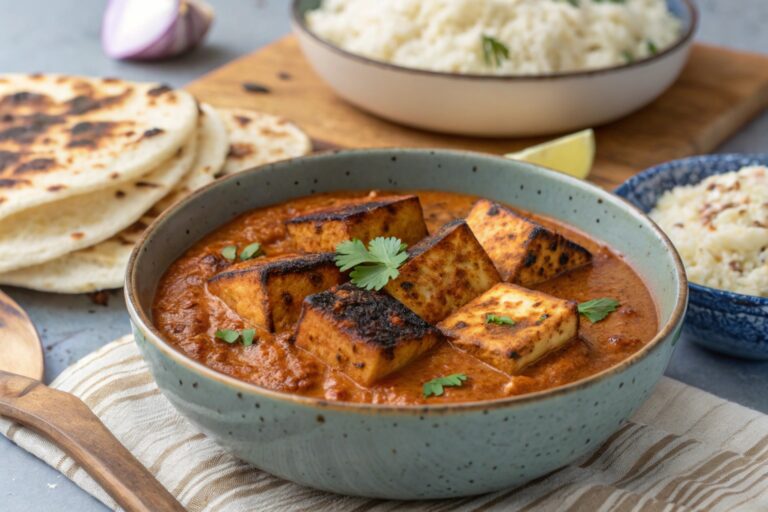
[[188, 316]]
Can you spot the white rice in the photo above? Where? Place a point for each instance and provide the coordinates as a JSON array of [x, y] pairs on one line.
[[543, 36], [720, 228]]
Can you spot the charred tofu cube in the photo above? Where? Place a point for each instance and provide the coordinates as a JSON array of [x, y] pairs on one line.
[[268, 292], [525, 252], [443, 272], [322, 231], [510, 327], [366, 335]]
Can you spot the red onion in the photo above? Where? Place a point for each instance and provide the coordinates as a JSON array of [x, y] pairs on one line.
[[153, 29]]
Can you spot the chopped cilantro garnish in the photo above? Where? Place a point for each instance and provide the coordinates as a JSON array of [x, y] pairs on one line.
[[251, 251], [248, 335], [233, 336], [435, 386], [596, 310], [229, 252], [491, 318], [494, 51], [228, 335]]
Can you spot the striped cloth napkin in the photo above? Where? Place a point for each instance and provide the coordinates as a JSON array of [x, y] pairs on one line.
[[685, 450]]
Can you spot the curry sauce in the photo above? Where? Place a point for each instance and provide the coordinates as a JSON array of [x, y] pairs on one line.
[[188, 316]]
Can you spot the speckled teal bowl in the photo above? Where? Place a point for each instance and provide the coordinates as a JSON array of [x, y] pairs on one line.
[[409, 452]]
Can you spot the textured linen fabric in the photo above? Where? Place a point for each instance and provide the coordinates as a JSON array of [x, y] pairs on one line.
[[684, 450]]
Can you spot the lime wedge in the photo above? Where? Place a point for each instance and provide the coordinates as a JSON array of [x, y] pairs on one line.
[[572, 154]]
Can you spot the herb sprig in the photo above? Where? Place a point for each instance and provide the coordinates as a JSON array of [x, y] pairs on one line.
[[596, 310], [494, 51], [233, 336], [435, 387], [374, 266], [492, 318]]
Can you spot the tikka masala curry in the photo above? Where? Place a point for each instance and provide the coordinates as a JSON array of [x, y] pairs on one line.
[[346, 297]]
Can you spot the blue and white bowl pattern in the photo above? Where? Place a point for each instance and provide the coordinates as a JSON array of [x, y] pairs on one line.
[[723, 321]]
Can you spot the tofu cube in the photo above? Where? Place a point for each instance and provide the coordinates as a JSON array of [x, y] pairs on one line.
[[268, 292], [525, 252], [322, 231], [541, 324], [443, 272], [366, 335]]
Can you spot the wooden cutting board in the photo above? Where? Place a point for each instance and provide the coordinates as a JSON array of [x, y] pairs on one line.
[[718, 92]]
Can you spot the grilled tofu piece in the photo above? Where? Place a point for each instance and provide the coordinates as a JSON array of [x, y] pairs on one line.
[[541, 324], [443, 272], [525, 252], [366, 335], [268, 292], [322, 231]]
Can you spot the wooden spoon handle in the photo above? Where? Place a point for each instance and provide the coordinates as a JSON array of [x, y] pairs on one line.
[[69, 423]]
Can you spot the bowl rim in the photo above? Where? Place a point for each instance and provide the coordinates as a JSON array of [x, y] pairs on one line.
[[671, 328], [669, 166], [299, 23]]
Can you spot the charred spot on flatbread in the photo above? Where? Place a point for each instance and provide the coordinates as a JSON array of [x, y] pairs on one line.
[[89, 134], [240, 150], [36, 165]]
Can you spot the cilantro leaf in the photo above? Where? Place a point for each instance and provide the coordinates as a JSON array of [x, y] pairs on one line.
[[350, 254], [491, 318], [229, 252], [372, 267], [390, 251], [233, 336], [494, 51], [251, 251], [248, 335], [435, 387], [597, 309], [652, 49], [228, 335]]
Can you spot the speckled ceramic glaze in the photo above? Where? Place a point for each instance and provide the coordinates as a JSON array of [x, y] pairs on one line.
[[730, 323], [409, 452]]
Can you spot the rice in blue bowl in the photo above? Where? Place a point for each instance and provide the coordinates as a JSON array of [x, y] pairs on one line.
[[724, 321]]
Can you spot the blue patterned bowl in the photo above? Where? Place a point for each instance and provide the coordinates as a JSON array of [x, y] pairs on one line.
[[726, 322]]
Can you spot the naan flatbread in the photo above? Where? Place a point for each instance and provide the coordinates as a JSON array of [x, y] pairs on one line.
[[256, 139], [51, 230], [102, 266], [62, 136], [212, 148]]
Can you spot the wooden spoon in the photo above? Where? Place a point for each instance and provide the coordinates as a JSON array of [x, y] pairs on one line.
[[67, 421]]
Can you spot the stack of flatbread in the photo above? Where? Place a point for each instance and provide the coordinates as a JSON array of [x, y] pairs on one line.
[[87, 163]]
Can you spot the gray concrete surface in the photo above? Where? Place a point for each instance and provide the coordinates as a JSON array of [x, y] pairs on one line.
[[63, 36]]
